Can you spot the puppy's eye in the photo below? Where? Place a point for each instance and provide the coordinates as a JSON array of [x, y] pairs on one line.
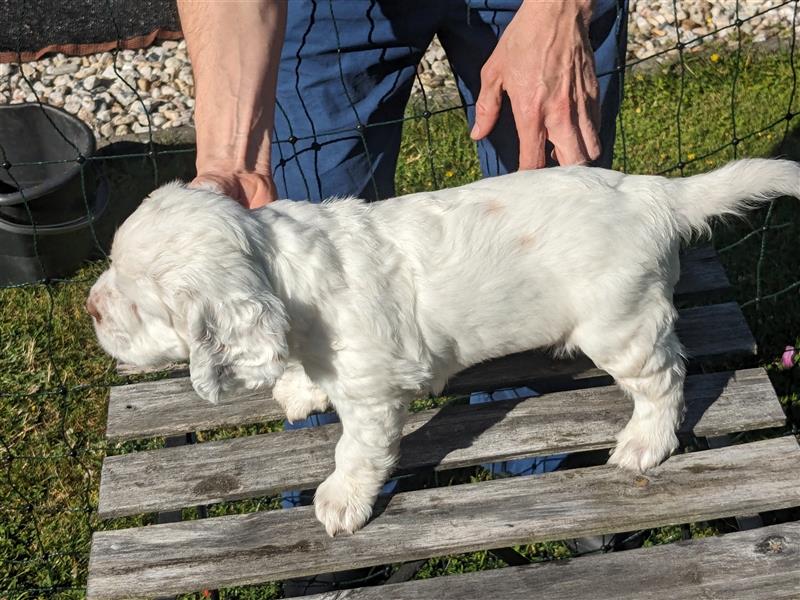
[[135, 311]]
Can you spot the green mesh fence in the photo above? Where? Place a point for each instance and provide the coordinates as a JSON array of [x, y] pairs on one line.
[[53, 381]]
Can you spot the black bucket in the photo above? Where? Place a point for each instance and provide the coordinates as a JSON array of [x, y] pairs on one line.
[[47, 211]]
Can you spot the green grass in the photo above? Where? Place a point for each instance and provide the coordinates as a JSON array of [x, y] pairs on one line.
[[48, 354]]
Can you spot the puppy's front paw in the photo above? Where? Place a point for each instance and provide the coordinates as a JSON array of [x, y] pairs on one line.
[[298, 396], [341, 505], [641, 446]]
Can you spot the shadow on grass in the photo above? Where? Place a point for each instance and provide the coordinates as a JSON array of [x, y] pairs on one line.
[[133, 173]]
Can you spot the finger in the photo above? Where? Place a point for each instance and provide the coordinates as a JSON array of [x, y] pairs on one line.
[[563, 129], [258, 192], [565, 135], [529, 120], [589, 111], [487, 107], [213, 183], [251, 190], [588, 134], [568, 148]]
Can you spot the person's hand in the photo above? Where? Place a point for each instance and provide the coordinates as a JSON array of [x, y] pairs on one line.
[[235, 49], [545, 64], [252, 190]]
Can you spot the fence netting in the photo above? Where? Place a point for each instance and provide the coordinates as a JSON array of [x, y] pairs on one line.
[[688, 106]]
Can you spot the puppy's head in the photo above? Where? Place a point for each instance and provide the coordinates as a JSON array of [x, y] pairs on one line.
[[188, 281]]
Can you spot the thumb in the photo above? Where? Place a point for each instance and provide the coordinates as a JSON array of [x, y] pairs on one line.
[[258, 191], [487, 108]]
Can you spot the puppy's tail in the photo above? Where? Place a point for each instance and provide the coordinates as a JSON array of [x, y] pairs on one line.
[[732, 190]]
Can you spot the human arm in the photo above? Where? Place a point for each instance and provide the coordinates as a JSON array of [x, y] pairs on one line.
[[235, 51], [544, 62]]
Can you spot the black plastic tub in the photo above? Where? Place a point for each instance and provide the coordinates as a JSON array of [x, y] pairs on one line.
[[47, 211]]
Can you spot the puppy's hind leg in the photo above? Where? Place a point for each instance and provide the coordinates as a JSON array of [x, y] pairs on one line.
[[649, 367], [297, 394]]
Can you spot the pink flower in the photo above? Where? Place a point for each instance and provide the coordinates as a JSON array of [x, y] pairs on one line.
[[787, 359]]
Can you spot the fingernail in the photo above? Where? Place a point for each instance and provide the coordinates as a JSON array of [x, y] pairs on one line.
[[476, 131]]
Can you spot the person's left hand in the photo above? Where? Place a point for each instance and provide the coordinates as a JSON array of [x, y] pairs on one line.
[[545, 64]]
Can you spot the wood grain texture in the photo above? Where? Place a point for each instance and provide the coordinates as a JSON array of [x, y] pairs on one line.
[[273, 545], [715, 331], [756, 564], [447, 438], [170, 406], [702, 275], [171, 370]]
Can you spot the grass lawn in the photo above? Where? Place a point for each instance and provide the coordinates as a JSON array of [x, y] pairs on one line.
[[53, 377]]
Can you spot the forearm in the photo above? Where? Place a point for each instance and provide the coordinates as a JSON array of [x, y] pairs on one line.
[[235, 52], [550, 10], [554, 25]]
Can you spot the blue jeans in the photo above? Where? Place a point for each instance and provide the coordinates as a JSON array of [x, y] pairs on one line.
[[346, 72]]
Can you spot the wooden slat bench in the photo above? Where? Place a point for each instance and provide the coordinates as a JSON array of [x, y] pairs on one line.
[[580, 412], [756, 564], [268, 545], [447, 438]]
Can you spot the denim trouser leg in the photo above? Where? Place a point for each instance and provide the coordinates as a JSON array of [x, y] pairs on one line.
[[346, 68]]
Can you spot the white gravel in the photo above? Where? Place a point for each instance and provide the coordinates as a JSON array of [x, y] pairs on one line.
[[157, 82]]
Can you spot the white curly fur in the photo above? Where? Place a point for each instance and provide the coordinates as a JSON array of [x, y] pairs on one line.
[[370, 305]]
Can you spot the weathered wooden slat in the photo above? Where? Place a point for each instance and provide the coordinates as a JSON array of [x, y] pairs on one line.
[[170, 406], [715, 331], [702, 275], [264, 546], [171, 370], [447, 438], [761, 563]]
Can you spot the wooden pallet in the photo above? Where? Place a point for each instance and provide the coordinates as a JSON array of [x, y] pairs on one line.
[[761, 563], [582, 412]]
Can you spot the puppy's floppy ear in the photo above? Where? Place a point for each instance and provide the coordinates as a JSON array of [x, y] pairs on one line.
[[236, 343]]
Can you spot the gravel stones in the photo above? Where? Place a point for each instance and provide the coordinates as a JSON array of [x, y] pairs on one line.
[[115, 93]]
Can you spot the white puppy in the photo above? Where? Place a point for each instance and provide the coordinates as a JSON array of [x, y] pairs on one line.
[[366, 306]]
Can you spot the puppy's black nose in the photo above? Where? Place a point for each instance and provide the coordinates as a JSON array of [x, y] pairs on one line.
[[91, 308]]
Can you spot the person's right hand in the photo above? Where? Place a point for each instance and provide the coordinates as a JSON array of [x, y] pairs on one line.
[[251, 190], [235, 48]]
